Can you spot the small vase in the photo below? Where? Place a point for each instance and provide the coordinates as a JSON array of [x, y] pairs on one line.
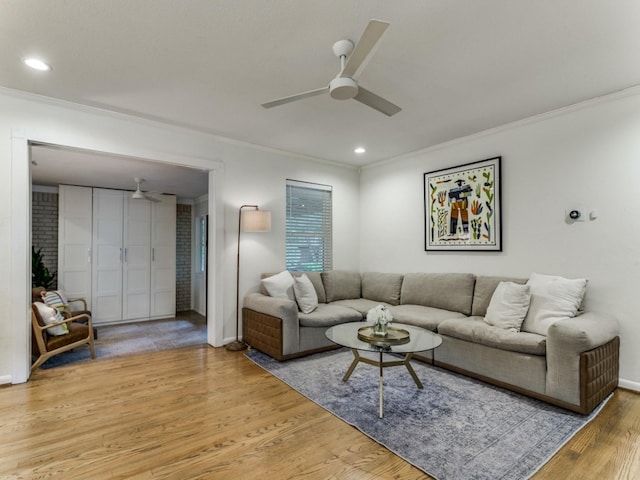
[[380, 329]]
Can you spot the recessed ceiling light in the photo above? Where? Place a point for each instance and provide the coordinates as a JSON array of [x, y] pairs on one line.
[[359, 150], [37, 64]]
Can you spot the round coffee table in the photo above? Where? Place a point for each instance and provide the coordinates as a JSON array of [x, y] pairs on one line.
[[420, 340]]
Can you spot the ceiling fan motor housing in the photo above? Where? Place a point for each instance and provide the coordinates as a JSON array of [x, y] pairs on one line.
[[343, 88]]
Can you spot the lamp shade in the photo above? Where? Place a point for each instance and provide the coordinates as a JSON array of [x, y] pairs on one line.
[[256, 221]]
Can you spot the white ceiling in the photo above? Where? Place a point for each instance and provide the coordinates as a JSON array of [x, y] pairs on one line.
[[52, 166], [456, 67]]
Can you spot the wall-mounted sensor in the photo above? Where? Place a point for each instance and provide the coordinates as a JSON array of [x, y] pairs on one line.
[[574, 215]]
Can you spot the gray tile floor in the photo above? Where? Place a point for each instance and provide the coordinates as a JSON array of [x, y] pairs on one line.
[[187, 328]]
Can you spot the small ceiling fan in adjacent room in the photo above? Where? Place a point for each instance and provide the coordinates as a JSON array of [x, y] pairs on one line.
[[352, 60], [140, 195]]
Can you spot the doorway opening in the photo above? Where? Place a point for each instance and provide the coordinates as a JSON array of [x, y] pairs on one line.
[[26, 164]]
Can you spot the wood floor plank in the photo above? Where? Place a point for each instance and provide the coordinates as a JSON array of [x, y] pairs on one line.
[[203, 413]]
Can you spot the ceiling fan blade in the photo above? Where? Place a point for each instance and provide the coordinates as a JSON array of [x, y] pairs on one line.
[[372, 100], [364, 48], [293, 98]]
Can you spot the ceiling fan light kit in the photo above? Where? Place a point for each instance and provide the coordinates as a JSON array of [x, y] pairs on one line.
[[353, 59], [343, 88], [140, 195]]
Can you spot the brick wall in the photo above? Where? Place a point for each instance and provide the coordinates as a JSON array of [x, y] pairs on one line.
[[183, 257], [44, 227]]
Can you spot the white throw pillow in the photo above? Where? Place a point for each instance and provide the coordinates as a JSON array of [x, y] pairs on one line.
[[508, 306], [552, 298], [279, 285], [305, 293], [50, 315]]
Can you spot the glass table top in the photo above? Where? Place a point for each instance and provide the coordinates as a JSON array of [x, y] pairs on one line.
[[420, 339]]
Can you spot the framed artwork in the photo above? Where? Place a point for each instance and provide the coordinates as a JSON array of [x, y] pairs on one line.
[[462, 207]]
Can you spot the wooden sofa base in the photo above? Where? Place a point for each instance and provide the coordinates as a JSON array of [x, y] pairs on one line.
[[599, 368], [264, 332]]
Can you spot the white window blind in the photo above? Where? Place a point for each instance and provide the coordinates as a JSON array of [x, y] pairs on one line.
[[309, 221]]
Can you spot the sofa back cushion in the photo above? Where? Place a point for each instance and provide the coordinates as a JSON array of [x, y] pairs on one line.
[[315, 278], [449, 291], [341, 285], [485, 286], [382, 287]]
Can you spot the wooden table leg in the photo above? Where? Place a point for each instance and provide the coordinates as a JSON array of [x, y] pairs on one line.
[[356, 359]]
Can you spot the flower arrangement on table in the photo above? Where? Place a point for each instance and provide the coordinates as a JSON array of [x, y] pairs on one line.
[[380, 317]]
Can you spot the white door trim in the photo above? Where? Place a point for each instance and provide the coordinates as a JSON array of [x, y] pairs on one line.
[[20, 294]]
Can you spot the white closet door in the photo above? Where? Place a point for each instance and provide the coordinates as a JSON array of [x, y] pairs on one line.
[[107, 255], [163, 258], [137, 259], [75, 214]]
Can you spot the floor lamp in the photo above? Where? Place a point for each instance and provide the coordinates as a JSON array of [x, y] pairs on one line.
[[255, 220]]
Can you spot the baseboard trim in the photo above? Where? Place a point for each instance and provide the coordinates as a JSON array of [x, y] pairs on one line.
[[629, 385], [5, 379]]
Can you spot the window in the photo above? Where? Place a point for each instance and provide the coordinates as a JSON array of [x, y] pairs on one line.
[[309, 220]]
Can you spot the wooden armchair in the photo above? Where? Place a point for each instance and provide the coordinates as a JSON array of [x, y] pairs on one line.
[[38, 294], [50, 345]]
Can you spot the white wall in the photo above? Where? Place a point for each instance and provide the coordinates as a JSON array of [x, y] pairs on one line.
[[242, 174], [584, 156]]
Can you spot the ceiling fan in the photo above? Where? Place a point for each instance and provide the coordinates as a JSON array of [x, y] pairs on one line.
[[352, 60], [140, 195]]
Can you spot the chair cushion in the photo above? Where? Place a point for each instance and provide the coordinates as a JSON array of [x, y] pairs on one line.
[[48, 315], [474, 329], [55, 299], [77, 331]]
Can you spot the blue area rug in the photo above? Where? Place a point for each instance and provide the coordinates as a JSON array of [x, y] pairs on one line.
[[456, 428]]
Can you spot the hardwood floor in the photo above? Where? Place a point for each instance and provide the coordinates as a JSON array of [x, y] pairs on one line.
[[205, 413]]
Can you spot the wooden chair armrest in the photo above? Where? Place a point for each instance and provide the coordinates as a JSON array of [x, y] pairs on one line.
[[81, 300], [67, 320]]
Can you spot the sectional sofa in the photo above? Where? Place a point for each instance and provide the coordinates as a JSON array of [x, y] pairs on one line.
[[571, 361]]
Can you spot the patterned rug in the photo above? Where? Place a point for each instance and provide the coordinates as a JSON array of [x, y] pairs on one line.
[[456, 428]]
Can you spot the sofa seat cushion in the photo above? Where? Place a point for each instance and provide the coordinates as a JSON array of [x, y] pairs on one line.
[[474, 329], [425, 317], [327, 315], [361, 305]]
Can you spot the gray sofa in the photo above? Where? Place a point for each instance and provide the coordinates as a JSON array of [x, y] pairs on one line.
[[574, 366]]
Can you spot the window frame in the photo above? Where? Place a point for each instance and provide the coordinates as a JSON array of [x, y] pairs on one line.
[[310, 250]]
